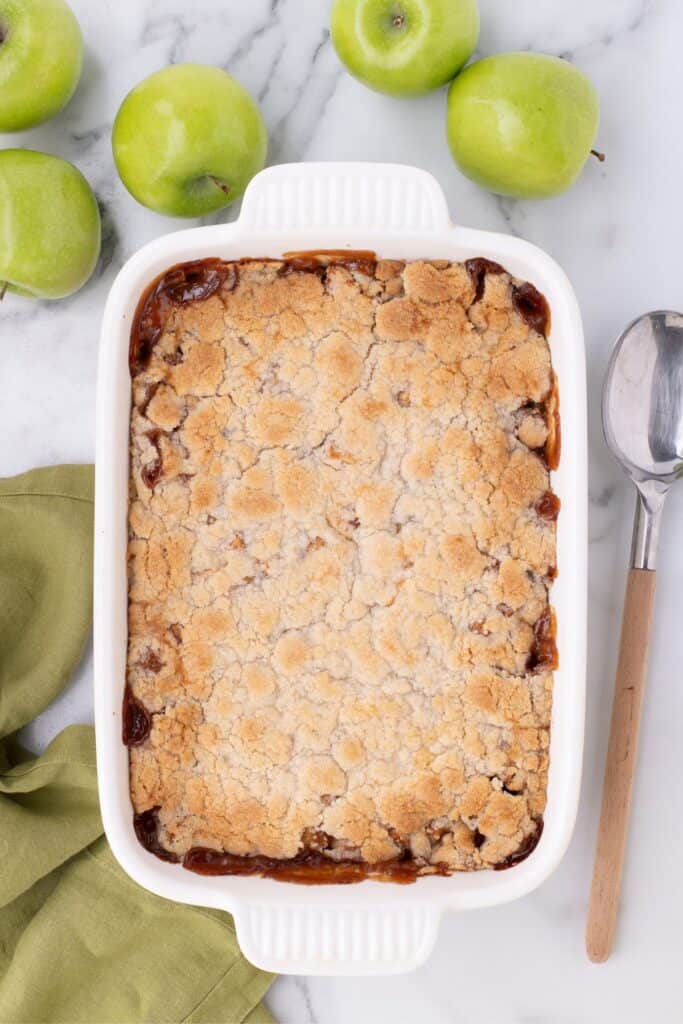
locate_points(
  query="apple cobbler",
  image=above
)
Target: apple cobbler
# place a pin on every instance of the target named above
(341, 541)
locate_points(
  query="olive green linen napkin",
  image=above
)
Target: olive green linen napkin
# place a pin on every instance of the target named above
(79, 941)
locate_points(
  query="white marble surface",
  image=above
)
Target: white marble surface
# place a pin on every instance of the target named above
(617, 233)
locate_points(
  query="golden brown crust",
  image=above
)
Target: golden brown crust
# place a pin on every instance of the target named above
(336, 567)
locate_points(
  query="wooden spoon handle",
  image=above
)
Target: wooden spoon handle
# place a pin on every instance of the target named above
(621, 759)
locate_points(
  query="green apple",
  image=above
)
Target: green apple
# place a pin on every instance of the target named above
(404, 47)
(188, 139)
(41, 57)
(49, 225)
(522, 124)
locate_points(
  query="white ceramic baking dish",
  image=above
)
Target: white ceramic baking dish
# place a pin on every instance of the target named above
(371, 927)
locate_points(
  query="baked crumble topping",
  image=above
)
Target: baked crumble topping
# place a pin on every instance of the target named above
(341, 538)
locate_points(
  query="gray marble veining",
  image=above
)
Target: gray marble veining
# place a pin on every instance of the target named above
(617, 235)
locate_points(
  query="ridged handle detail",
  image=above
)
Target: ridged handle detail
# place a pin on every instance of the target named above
(317, 940)
(344, 197)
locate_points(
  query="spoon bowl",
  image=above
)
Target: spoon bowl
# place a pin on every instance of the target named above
(642, 409)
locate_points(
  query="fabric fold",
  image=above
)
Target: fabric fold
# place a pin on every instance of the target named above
(79, 940)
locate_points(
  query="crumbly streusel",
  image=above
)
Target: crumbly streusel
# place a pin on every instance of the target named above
(339, 560)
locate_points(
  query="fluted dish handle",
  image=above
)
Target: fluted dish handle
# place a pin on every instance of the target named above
(298, 939)
(345, 197)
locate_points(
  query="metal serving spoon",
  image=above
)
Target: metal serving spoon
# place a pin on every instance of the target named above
(642, 415)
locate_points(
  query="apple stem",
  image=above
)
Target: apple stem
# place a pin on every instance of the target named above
(598, 155)
(222, 185)
(3, 290)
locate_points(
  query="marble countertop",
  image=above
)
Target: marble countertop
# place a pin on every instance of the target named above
(616, 233)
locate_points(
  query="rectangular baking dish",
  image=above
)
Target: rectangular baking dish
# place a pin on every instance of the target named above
(371, 927)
